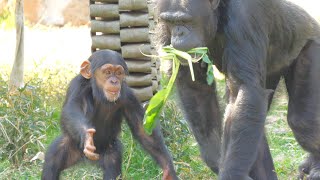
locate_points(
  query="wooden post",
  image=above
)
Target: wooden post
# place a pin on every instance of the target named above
(16, 76)
(106, 27)
(106, 42)
(124, 26)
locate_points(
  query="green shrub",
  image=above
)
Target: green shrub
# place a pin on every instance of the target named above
(29, 121)
(28, 114)
(7, 20)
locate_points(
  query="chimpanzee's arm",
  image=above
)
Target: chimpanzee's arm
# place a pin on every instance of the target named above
(245, 59)
(74, 122)
(243, 132)
(153, 144)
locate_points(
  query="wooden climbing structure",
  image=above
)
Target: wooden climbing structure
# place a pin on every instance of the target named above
(126, 26)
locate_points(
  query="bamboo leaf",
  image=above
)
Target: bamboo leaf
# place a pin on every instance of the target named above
(158, 101)
(210, 76)
(206, 59)
(153, 111)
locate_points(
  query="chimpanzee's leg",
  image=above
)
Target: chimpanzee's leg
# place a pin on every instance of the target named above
(111, 161)
(62, 154)
(263, 168)
(304, 105)
(201, 108)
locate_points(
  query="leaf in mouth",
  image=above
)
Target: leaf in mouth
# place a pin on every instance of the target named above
(158, 101)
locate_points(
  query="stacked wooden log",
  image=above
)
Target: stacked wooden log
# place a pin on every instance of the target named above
(123, 26)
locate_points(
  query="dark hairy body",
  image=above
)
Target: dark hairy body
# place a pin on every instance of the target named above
(254, 43)
(96, 102)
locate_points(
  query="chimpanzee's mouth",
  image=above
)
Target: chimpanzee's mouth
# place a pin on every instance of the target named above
(112, 95)
(113, 92)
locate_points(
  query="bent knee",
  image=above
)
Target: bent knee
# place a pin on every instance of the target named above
(306, 122)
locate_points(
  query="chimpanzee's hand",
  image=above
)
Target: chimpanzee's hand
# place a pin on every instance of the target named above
(89, 147)
(169, 174)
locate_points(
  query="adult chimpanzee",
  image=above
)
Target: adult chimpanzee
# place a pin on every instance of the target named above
(254, 42)
(95, 104)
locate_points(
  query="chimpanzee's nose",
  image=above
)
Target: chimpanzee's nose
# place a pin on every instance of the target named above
(114, 81)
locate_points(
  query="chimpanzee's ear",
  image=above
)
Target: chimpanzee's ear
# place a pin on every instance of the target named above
(85, 69)
(214, 3)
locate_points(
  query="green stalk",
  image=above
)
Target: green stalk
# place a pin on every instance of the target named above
(158, 101)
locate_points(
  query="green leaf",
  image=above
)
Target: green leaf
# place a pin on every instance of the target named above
(206, 59)
(153, 111)
(200, 50)
(158, 101)
(210, 76)
(184, 55)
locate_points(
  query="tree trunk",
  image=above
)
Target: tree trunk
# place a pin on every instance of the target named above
(16, 77)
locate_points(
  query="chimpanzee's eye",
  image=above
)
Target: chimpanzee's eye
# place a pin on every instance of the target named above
(119, 73)
(108, 72)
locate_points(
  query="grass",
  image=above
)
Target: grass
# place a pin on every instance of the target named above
(286, 152)
(7, 20)
(29, 121)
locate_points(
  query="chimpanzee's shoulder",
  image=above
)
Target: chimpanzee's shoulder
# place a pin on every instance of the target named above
(127, 95)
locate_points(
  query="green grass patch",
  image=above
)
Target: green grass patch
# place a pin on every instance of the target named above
(7, 20)
(29, 121)
(286, 152)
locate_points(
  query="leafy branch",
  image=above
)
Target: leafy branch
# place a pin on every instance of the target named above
(158, 101)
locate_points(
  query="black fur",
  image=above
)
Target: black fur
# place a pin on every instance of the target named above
(87, 107)
(254, 42)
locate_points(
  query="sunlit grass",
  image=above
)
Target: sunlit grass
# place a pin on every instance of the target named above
(39, 105)
(48, 85)
(286, 152)
(7, 20)
(41, 100)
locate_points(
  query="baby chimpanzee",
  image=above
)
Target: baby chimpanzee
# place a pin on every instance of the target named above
(96, 102)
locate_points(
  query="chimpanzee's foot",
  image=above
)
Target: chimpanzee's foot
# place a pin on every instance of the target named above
(310, 168)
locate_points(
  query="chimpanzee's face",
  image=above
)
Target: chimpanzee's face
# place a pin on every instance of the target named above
(186, 24)
(109, 79)
(106, 71)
